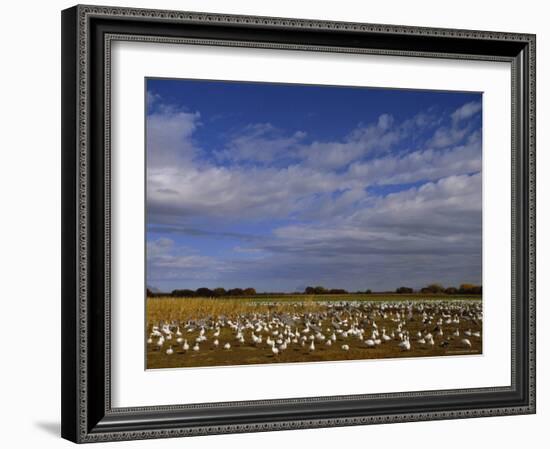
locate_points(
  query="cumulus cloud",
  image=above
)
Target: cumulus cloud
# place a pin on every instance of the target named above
(466, 111)
(459, 129)
(312, 198)
(419, 165)
(152, 98)
(168, 261)
(262, 143)
(429, 230)
(169, 137)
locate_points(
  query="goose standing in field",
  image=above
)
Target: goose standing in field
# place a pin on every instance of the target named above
(149, 341)
(185, 346)
(328, 343)
(369, 342)
(169, 351)
(345, 347)
(430, 340)
(405, 345)
(216, 343)
(256, 340)
(227, 346)
(160, 342)
(196, 348)
(275, 351)
(312, 346)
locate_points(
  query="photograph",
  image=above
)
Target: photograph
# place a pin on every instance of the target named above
(310, 223)
(272, 221)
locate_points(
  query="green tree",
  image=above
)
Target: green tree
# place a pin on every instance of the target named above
(185, 293)
(235, 292)
(337, 291)
(205, 292)
(470, 289)
(434, 288)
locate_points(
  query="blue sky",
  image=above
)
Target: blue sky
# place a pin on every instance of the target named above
(278, 186)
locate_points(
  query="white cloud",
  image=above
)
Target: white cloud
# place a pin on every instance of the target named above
(431, 233)
(446, 136)
(166, 261)
(152, 98)
(419, 165)
(375, 138)
(261, 143)
(340, 234)
(180, 185)
(169, 137)
(466, 111)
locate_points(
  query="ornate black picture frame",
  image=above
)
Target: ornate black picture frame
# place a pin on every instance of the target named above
(87, 34)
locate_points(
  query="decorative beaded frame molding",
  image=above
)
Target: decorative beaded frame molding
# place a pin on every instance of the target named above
(87, 415)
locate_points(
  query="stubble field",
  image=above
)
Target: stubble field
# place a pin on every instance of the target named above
(200, 332)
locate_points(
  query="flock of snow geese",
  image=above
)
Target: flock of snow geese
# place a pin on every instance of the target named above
(338, 326)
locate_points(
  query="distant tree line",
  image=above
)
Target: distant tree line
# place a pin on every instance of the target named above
(464, 289)
(217, 292)
(319, 290)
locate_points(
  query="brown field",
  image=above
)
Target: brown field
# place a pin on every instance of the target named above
(351, 318)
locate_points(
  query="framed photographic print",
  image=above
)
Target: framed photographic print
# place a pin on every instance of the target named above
(284, 223)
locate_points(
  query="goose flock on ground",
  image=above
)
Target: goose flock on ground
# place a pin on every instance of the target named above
(401, 325)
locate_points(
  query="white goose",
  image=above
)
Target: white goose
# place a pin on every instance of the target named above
(369, 342)
(185, 346)
(405, 345)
